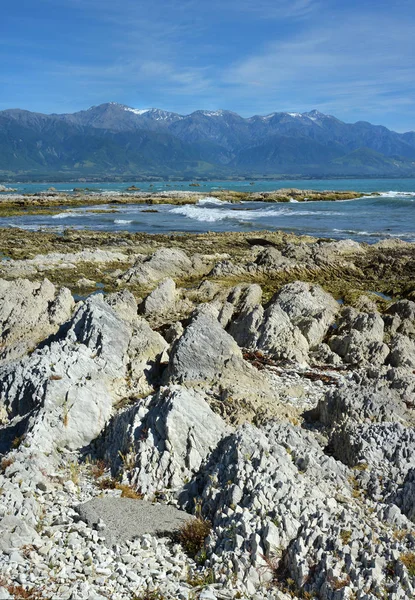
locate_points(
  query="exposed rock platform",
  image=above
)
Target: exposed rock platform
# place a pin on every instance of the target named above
(258, 386)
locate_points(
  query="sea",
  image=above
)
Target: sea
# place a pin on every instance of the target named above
(391, 215)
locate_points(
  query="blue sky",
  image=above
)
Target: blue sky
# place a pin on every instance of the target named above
(354, 59)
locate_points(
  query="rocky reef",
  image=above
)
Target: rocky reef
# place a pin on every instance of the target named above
(50, 201)
(206, 417)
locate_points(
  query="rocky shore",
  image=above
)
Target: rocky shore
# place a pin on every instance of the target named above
(48, 201)
(232, 418)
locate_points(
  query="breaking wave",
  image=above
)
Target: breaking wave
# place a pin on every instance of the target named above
(212, 215)
(394, 194)
(67, 215)
(210, 200)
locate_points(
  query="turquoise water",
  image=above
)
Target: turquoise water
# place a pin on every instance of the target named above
(358, 185)
(369, 219)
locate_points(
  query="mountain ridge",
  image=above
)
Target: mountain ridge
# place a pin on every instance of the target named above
(117, 140)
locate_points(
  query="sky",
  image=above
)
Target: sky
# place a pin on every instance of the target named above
(354, 59)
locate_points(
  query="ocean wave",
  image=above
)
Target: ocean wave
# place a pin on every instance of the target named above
(395, 194)
(375, 234)
(212, 215)
(66, 215)
(210, 200)
(122, 221)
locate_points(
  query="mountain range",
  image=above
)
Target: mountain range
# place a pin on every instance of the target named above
(113, 141)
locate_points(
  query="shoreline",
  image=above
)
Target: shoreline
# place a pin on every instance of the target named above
(75, 257)
(51, 201)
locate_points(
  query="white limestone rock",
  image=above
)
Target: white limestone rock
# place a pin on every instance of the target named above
(162, 299)
(29, 313)
(165, 439)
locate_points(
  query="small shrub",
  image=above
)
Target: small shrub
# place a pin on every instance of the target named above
(192, 535)
(408, 560)
(361, 467)
(27, 549)
(390, 569)
(201, 579)
(17, 441)
(128, 492)
(339, 584)
(98, 469)
(345, 536)
(149, 595)
(356, 491)
(6, 462)
(74, 472)
(400, 534)
(20, 593)
(272, 566)
(108, 483)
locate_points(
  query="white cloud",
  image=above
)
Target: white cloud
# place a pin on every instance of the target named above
(354, 65)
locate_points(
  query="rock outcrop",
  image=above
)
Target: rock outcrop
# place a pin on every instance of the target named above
(163, 441)
(280, 432)
(29, 313)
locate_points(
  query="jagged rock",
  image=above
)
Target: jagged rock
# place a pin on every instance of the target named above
(146, 351)
(365, 401)
(165, 262)
(207, 290)
(124, 304)
(208, 358)
(29, 313)
(309, 307)
(58, 260)
(323, 354)
(205, 352)
(173, 332)
(368, 426)
(15, 533)
(384, 451)
(244, 329)
(270, 259)
(296, 319)
(273, 490)
(162, 299)
(126, 518)
(165, 439)
(226, 268)
(239, 303)
(365, 304)
(245, 297)
(402, 352)
(404, 309)
(360, 338)
(62, 395)
(406, 497)
(85, 283)
(279, 337)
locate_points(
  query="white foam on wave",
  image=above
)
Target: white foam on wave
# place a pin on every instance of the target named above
(395, 194)
(122, 221)
(210, 200)
(66, 215)
(376, 234)
(211, 215)
(55, 228)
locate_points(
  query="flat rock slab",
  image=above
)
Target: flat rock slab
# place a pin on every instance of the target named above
(126, 519)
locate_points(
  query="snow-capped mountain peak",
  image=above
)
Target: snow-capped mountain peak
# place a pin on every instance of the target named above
(137, 111)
